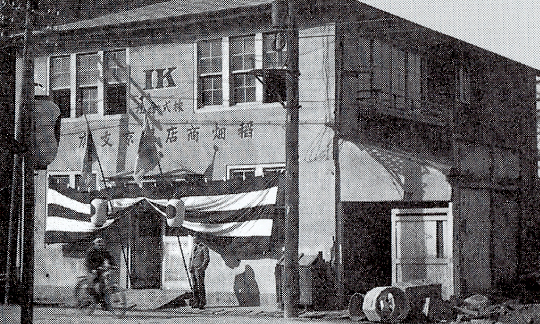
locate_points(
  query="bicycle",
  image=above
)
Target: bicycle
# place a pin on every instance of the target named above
(114, 297)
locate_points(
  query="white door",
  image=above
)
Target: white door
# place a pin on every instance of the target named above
(422, 246)
(174, 269)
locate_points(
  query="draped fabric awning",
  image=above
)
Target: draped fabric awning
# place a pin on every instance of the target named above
(230, 215)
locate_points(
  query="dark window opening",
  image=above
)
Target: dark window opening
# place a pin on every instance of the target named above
(275, 87)
(87, 101)
(211, 90)
(58, 181)
(274, 171)
(440, 239)
(62, 98)
(116, 99)
(240, 174)
(85, 184)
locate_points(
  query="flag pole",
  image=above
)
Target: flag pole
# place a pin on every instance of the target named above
(128, 272)
(184, 260)
(99, 162)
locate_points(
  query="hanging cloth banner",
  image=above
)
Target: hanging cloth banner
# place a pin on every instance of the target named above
(227, 214)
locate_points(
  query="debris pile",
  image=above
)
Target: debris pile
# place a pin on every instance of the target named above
(425, 305)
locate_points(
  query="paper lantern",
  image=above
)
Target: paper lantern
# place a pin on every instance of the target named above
(175, 212)
(47, 132)
(99, 212)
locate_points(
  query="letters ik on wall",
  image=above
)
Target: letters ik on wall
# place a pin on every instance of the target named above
(160, 76)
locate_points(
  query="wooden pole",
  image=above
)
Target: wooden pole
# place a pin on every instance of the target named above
(184, 260)
(291, 288)
(338, 248)
(28, 135)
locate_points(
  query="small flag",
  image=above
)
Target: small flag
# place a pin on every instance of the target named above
(147, 155)
(209, 172)
(90, 155)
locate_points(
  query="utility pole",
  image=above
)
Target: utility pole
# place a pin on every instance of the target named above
(23, 180)
(291, 287)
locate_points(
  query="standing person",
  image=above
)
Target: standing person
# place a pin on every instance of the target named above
(98, 258)
(197, 267)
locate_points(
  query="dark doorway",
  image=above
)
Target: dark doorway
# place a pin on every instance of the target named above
(146, 250)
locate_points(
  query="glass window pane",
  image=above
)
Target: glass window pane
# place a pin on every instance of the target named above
(60, 72)
(209, 56)
(275, 51)
(116, 66)
(204, 49)
(236, 46)
(250, 94)
(83, 184)
(211, 90)
(88, 99)
(58, 181)
(216, 47)
(249, 62)
(236, 63)
(242, 53)
(205, 65)
(208, 83)
(239, 95)
(218, 97)
(116, 99)
(250, 80)
(249, 174)
(249, 44)
(216, 82)
(216, 65)
(62, 98)
(88, 69)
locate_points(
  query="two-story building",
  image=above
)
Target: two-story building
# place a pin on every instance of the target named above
(420, 149)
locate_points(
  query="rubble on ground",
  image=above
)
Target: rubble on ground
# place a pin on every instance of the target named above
(425, 305)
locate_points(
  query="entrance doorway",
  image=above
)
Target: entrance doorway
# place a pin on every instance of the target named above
(422, 246)
(146, 250)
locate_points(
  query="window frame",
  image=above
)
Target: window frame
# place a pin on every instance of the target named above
(258, 169)
(60, 93)
(463, 85)
(101, 85)
(73, 177)
(244, 72)
(216, 76)
(227, 81)
(118, 84)
(271, 68)
(87, 91)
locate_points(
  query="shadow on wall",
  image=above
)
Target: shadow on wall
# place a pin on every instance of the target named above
(246, 288)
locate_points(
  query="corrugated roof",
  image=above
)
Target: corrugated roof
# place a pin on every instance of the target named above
(169, 9)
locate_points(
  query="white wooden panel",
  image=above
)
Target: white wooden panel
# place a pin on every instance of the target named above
(422, 246)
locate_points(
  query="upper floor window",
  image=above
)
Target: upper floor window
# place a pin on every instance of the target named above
(116, 78)
(414, 80)
(87, 83)
(61, 83)
(228, 69)
(210, 68)
(99, 85)
(391, 74)
(242, 56)
(463, 85)
(274, 63)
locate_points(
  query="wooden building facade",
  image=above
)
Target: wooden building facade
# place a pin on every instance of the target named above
(424, 146)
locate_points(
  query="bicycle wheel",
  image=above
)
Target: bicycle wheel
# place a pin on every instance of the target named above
(116, 299)
(85, 301)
